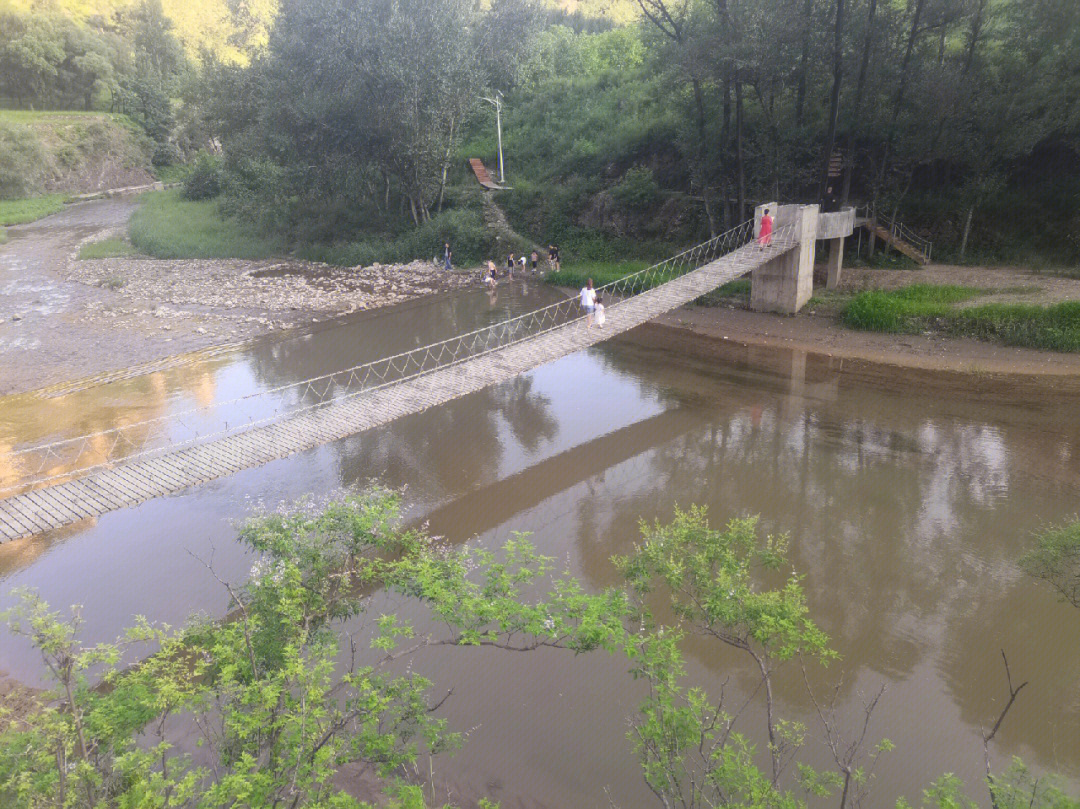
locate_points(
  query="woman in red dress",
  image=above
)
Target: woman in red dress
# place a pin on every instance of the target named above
(765, 234)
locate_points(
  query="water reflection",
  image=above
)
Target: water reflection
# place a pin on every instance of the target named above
(907, 496)
(29, 420)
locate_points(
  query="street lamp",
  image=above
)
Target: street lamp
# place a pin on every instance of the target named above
(497, 104)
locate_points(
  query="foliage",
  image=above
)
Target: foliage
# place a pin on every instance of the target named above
(713, 580)
(167, 154)
(637, 190)
(203, 181)
(20, 211)
(264, 692)
(165, 225)
(461, 227)
(1056, 560)
(69, 151)
(21, 162)
(278, 703)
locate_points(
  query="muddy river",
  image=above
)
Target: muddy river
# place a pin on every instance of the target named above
(908, 499)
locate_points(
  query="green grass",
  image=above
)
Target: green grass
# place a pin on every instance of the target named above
(904, 310)
(882, 260)
(601, 272)
(921, 307)
(168, 226)
(605, 272)
(106, 248)
(20, 211)
(33, 116)
(172, 174)
(3, 236)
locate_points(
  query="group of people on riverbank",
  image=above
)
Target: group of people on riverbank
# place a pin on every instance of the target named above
(491, 274)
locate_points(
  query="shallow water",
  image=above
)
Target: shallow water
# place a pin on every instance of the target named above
(908, 498)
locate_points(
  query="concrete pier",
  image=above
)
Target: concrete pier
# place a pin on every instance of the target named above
(786, 283)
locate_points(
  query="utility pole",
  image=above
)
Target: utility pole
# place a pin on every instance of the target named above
(496, 102)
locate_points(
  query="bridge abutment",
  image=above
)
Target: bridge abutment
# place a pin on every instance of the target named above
(786, 283)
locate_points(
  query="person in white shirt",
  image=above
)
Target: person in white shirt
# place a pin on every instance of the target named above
(588, 302)
(600, 318)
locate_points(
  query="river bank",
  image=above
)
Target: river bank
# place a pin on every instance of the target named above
(70, 322)
(64, 319)
(822, 333)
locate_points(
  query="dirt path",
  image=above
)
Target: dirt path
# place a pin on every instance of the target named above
(62, 318)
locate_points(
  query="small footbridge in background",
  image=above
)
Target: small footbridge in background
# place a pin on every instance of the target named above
(49, 486)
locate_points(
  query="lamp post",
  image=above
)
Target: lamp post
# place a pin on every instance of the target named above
(496, 102)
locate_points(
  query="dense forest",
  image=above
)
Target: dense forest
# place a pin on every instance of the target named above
(628, 127)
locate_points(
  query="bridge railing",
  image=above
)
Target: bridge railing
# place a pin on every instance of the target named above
(901, 231)
(28, 467)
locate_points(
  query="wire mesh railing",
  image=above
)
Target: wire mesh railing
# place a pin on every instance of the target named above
(900, 231)
(27, 467)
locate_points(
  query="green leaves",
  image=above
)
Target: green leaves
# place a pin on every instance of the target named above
(715, 580)
(1056, 560)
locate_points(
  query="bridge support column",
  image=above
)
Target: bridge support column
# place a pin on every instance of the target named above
(786, 283)
(836, 262)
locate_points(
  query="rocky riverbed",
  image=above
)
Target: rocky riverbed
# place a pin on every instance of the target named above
(63, 319)
(272, 294)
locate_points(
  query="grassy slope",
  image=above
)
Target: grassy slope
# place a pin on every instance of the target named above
(168, 226)
(921, 307)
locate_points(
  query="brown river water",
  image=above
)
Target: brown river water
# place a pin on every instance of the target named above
(908, 498)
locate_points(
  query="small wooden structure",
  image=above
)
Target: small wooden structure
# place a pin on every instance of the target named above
(483, 177)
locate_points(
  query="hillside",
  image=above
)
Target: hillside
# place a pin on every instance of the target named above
(70, 152)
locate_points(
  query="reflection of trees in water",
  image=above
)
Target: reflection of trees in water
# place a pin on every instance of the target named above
(384, 333)
(455, 447)
(1041, 637)
(899, 511)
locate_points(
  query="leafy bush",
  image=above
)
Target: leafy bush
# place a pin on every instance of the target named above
(638, 190)
(167, 154)
(204, 181)
(22, 161)
(462, 227)
(1056, 560)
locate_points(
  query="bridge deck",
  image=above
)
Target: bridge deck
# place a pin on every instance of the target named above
(85, 498)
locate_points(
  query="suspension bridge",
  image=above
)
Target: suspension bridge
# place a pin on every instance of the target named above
(63, 482)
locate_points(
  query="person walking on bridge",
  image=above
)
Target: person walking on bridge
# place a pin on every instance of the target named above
(765, 233)
(588, 302)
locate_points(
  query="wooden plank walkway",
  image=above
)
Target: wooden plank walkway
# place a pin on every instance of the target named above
(65, 503)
